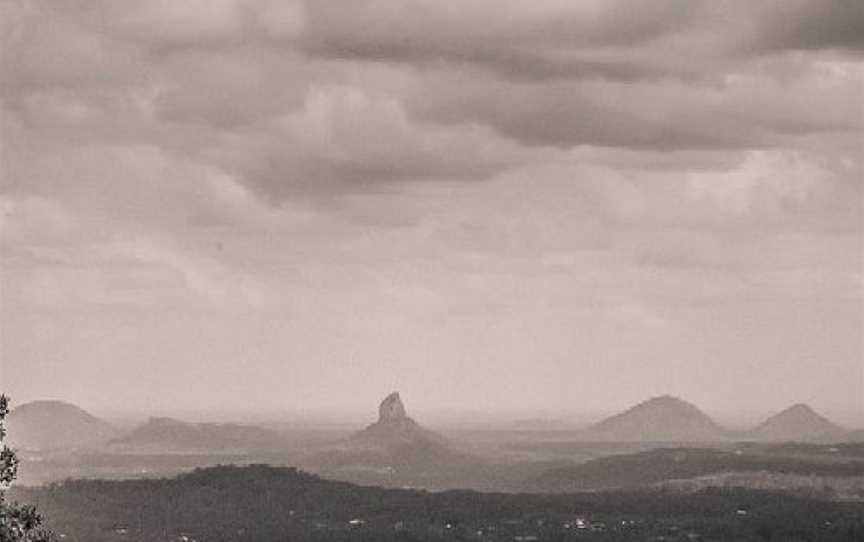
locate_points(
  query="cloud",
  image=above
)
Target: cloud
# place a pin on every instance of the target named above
(748, 107)
(198, 24)
(345, 138)
(646, 76)
(228, 92)
(611, 40)
(45, 47)
(600, 117)
(509, 39)
(602, 187)
(809, 25)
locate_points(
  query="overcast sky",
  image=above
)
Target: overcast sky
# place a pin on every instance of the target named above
(492, 205)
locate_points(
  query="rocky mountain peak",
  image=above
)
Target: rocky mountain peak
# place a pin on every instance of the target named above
(391, 409)
(396, 433)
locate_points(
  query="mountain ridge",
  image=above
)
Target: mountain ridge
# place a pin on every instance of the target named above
(161, 433)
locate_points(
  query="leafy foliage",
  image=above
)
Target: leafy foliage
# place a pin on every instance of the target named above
(262, 503)
(18, 523)
(643, 469)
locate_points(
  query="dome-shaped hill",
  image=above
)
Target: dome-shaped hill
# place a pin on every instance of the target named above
(52, 425)
(660, 419)
(797, 423)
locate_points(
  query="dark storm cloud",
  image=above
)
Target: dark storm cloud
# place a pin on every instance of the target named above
(618, 41)
(810, 25)
(563, 118)
(282, 173)
(504, 38)
(751, 111)
(589, 74)
(505, 61)
(255, 87)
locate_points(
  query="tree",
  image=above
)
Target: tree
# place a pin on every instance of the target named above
(18, 523)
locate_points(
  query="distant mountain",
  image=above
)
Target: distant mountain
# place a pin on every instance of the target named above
(661, 419)
(395, 429)
(797, 423)
(56, 425)
(167, 435)
(395, 444)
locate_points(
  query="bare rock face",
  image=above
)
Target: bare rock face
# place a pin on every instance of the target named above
(394, 442)
(391, 409)
(395, 428)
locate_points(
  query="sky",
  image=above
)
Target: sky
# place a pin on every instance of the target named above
(492, 205)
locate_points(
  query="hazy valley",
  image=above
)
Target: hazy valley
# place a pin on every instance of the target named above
(624, 450)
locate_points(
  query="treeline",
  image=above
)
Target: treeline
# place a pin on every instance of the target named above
(654, 466)
(261, 503)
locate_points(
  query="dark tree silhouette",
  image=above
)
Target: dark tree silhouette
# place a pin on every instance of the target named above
(18, 523)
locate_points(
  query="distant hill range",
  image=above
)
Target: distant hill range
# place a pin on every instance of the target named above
(394, 439)
(798, 423)
(660, 419)
(167, 435)
(647, 468)
(56, 425)
(670, 419)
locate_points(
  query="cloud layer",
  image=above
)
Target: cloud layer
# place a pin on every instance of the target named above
(400, 192)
